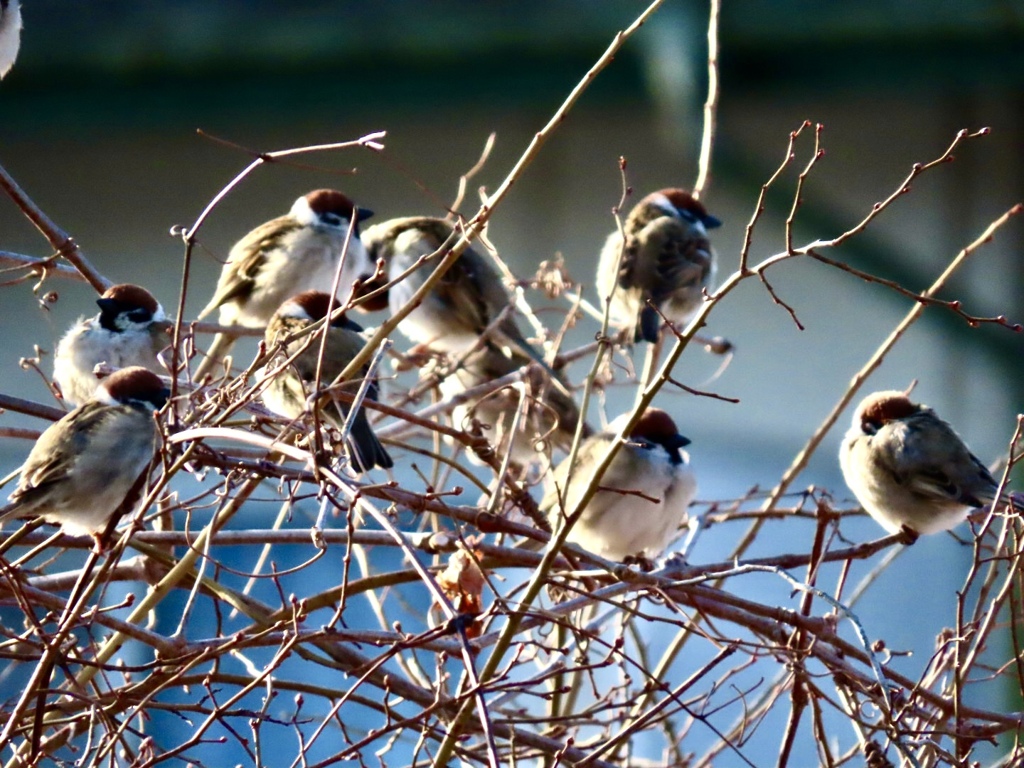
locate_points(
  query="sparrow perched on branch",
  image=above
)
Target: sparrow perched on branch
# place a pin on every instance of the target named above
(464, 305)
(10, 34)
(550, 417)
(130, 329)
(666, 261)
(644, 494)
(297, 252)
(84, 468)
(469, 309)
(909, 469)
(290, 388)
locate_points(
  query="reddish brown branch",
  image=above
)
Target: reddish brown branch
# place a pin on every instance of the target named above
(59, 240)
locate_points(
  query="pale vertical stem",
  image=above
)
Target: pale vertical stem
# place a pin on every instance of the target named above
(707, 139)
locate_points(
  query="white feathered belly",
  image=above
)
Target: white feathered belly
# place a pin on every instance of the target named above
(633, 525)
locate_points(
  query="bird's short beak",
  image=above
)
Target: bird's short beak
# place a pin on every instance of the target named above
(107, 305)
(363, 213)
(711, 222)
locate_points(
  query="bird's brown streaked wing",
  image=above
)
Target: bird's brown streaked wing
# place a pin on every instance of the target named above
(936, 464)
(52, 457)
(246, 260)
(491, 299)
(464, 293)
(342, 346)
(680, 260)
(381, 240)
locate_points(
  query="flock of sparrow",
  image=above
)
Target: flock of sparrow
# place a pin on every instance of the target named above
(906, 466)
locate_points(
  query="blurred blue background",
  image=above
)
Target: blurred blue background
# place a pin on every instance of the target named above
(99, 120)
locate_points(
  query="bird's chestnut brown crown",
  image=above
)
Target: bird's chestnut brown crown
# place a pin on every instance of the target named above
(880, 408)
(686, 203)
(328, 202)
(131, 296)
(135, 385)
(133, 302)
(314, 306)
(657, 427)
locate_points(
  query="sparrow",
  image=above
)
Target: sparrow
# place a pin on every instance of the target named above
(550, 419)
(289, 389)
(645, 492)
(287, 255)
(297, 252)
(909, 469)
(10, 34)
(667, 261)
(84, 467)
(130, 329)
(463, 305)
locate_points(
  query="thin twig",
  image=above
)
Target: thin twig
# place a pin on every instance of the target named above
(58, 239)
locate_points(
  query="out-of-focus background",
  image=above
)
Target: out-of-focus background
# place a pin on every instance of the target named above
(99, 119)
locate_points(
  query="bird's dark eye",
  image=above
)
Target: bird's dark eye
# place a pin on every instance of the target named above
(870, 426)
(686, 215)
(139, 315)
(331, 219)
